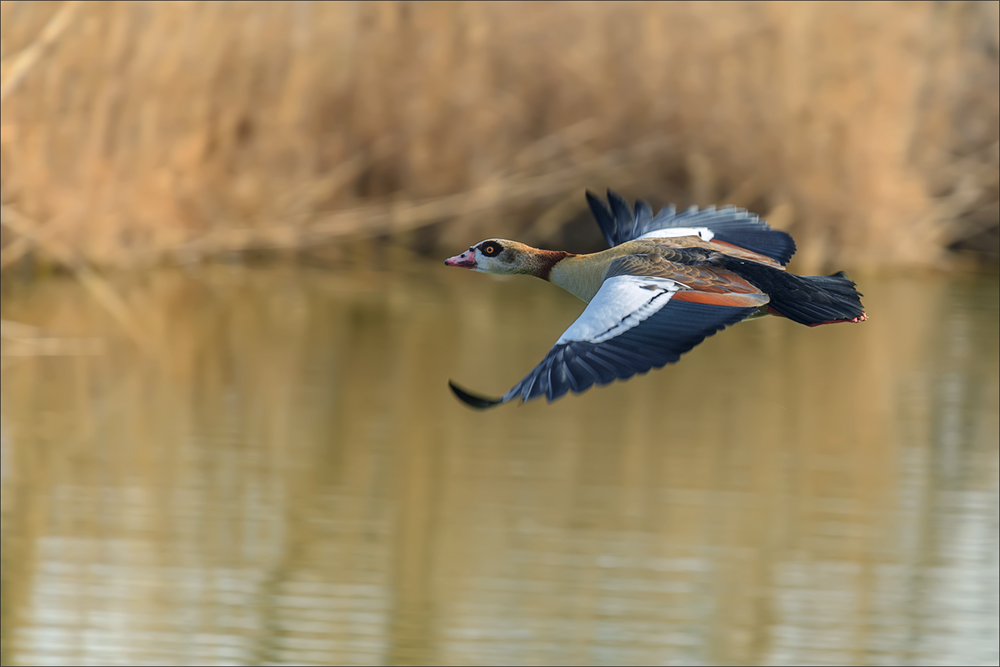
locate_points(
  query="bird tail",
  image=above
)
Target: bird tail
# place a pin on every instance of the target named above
(809, 300)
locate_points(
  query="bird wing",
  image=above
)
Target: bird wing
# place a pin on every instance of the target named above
(647, 313)
(734, 226)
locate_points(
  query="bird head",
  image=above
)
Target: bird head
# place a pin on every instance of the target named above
(497, 256)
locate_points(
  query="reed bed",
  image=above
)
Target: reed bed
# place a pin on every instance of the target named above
(136, 134)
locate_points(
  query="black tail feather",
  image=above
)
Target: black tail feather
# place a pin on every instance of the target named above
(809, 300)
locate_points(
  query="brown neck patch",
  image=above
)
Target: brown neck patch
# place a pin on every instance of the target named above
(544, 260)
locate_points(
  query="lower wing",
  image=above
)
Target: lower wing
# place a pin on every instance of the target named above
(633, 323)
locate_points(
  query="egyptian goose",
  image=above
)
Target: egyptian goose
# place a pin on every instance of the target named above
(667, 282)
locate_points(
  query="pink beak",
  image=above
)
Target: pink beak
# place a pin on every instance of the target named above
(466, 259)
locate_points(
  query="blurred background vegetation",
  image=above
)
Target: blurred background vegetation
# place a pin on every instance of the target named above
(141, 134)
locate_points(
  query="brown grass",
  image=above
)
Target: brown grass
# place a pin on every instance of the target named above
(148, 132)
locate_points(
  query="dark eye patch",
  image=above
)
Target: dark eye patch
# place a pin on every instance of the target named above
(490, 248)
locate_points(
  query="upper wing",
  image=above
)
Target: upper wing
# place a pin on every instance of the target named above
(634, 323)
(731, 225)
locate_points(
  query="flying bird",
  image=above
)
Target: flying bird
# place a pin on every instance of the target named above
(666, 283)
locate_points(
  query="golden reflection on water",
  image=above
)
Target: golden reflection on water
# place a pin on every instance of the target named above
(286, 479)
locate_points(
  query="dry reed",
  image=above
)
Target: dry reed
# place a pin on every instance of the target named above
(137, 133)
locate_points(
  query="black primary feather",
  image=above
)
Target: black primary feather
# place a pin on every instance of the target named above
(478, 402)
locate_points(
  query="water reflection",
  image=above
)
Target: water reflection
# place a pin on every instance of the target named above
(286, 479)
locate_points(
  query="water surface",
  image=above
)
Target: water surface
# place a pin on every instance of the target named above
(278, 474)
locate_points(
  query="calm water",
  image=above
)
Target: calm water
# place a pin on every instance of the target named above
(278, 474)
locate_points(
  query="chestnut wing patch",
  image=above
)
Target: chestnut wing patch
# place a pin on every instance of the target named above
(703, 284)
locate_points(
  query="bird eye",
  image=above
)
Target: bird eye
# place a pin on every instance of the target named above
(491, 249)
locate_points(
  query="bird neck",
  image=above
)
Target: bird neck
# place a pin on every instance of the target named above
(580, 275)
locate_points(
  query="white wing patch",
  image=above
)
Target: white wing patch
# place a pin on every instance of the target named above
(704, 233)
(620, 304)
